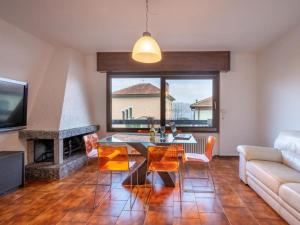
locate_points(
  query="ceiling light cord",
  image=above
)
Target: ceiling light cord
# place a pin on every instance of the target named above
(147, 9)
(146, 49)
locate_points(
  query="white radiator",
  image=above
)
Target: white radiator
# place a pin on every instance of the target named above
(198, 148)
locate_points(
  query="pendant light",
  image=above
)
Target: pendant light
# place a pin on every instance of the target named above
(146, 49)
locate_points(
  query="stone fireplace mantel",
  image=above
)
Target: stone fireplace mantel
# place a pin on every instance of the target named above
(60, 134)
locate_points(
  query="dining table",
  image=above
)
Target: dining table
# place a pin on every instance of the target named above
(140, 142)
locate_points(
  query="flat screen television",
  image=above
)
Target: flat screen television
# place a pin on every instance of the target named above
(13, 104)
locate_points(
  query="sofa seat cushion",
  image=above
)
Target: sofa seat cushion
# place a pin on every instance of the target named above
(272, 174)
(290, 193)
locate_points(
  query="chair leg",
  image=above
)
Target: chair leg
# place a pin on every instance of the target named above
(137, 172)
(180, 190)
(148, 196)
(152, 180)
(195, 177)
(151, 188)
(137, 184)
(183, 171)
(131, 189)
(208, 180)
(110, 184)
(94, 206)
(212, 178)
(144, 191)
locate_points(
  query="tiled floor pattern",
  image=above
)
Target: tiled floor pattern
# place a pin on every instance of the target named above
(70, 201)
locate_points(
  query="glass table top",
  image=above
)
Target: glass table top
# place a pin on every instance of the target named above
(145, 138)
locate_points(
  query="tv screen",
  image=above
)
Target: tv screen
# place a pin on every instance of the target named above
(13, 104)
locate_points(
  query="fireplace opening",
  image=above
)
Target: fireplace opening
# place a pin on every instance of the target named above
(43, 150)
(73, 145)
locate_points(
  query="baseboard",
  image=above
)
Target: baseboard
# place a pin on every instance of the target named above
(226, 156)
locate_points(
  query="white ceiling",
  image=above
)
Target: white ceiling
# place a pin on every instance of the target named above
(114, 25)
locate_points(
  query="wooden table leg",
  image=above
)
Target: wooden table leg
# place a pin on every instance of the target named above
(168, 178)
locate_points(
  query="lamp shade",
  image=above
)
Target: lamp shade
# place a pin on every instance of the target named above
(146, 50)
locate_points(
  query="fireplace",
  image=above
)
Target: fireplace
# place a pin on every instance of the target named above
(73, 145)
(44, 148)
(55, 154)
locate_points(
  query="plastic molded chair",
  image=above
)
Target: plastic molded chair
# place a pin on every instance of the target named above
(163, 159)
(91, 145)
(203, 159)
(114, 159)
(180, 149)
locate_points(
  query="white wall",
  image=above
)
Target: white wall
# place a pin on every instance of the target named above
(238, 104)
(97, 92)
(47, 109)
(58, 92)
(25, 58)
(76, 103)
(279, 87)
(63, 100)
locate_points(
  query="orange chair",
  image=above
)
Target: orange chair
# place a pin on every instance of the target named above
(163, 159)
(201, 158)
(91, 144)
(180, 149)
(111, 159)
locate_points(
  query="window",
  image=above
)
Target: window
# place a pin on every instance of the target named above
(138, 100)
(134, 102)
(189, 102)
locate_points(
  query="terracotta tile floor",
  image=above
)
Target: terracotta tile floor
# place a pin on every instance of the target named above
(70, 201)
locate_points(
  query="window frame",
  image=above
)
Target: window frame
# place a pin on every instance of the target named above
(163, 76)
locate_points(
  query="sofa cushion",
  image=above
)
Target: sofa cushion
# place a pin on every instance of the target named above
(272, 174)
(289, 143)
(290, 193)
(291, 159)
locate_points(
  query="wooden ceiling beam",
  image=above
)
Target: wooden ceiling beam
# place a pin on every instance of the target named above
(171, 62)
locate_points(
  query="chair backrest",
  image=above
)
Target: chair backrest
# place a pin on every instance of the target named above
(179, 148)
(111, 157)
(209, 147)
(289, 144)
(90, 142)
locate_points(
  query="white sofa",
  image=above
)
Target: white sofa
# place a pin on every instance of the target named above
(274, 173)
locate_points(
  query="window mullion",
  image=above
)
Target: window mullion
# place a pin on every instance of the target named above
(215, 102)
(162, 101)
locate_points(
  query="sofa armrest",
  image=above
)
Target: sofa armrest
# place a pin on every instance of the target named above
(248, 153)
(259, 153)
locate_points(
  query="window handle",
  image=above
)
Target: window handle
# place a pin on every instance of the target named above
(215, 104)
